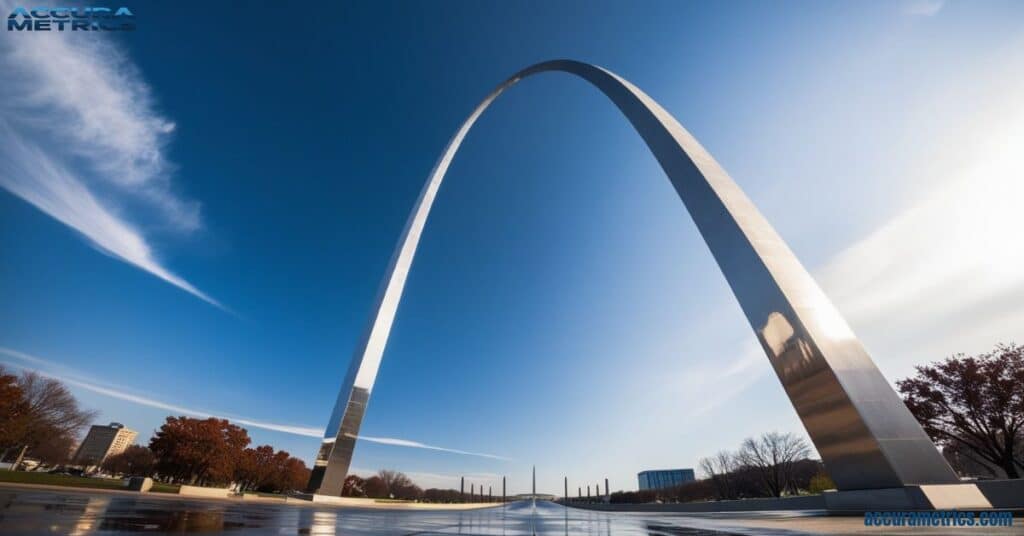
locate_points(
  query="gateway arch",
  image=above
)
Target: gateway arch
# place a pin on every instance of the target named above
(866, 436)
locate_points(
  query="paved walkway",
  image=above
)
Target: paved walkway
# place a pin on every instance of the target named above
(31, 510)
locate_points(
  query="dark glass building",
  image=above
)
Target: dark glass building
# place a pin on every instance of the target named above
(664, 478)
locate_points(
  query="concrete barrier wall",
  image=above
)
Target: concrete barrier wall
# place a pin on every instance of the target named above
(385, 504)
(264, 498)
(344, 501)
(1003, 493)
(198, 491)
(140, 484)
(805, 502)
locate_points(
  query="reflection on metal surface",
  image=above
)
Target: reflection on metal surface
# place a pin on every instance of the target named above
(318, 522)
(90, 517)
(336, 449)
(863, 431)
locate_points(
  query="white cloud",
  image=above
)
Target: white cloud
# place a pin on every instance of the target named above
(26, 171)
(922, 8)
(416, 444)
(66, 375)
(46, 368)
(80, 141)
(946, 274)
(710, 384)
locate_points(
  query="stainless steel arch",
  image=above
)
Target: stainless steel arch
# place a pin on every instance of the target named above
(863, 431)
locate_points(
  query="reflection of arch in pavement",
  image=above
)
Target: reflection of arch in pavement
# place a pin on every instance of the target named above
(863, 431)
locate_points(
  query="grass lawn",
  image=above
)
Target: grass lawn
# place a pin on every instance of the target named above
(27, 477)
(160, 487)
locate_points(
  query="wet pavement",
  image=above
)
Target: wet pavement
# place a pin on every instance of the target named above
(73, 512)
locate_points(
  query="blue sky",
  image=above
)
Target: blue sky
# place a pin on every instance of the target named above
(195, 216)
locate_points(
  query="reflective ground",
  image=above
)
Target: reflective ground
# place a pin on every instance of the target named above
(38, 511)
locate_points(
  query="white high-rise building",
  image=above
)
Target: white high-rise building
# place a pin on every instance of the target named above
(103, 441)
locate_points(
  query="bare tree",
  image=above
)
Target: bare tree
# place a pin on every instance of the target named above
(395, 482)
(719, 469)
(52, 405)
(773, 456)
(707, 467)
(53, 418)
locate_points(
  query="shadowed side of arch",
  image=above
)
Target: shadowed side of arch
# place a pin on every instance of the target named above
(866, 436)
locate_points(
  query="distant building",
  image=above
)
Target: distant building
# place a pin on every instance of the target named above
(664, 478)
(103, 441)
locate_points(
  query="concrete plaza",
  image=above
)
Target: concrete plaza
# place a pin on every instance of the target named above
(37, 510)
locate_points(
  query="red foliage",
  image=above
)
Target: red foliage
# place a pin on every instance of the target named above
(197, 451)
(14, 410)
(974, 404)
(265, 470)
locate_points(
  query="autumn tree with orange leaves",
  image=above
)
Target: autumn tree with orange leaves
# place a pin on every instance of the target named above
(262, 469)
(198, 451)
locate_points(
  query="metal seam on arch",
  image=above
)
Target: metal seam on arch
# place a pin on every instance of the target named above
(866, 436)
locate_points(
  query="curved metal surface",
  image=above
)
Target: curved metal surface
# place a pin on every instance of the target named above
(866, 436)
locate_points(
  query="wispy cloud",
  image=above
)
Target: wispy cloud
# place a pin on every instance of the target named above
(715, 385)
(416, 444)
(26, 171)
(66, 375)
(922, 8)
(80, 140)
(945, 275)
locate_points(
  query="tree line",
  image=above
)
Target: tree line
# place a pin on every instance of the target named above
(390, 484)
(972, 407)
(214, 452)
(772, 465)
(40, 419)
(210, 452)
